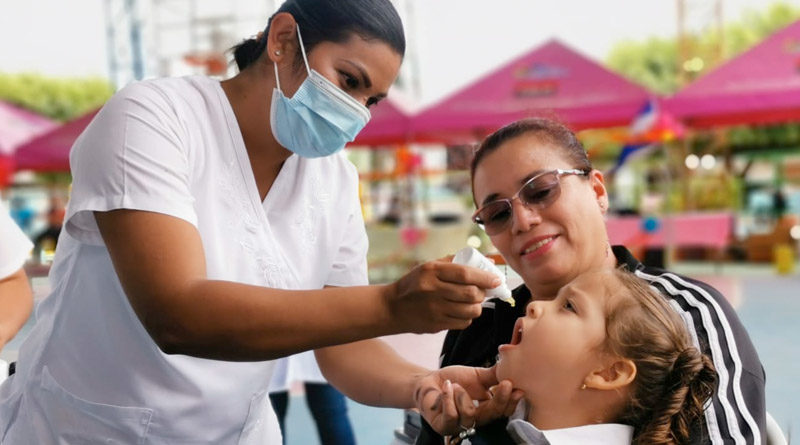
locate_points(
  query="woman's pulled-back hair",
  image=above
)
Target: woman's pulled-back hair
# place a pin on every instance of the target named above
(674, 380)
(548, 130)
(332, 21)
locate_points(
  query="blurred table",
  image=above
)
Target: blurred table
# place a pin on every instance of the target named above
(712, 229)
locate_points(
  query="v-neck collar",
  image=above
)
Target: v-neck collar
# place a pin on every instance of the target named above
(243, 161)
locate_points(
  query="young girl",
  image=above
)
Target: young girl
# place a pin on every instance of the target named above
(606, 362)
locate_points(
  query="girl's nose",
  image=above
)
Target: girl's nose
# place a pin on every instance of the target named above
(534, 309)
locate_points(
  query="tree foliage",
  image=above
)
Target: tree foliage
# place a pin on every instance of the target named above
(61, 99)
(654, 63)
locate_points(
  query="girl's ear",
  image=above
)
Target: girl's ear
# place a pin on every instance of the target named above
(616, 375)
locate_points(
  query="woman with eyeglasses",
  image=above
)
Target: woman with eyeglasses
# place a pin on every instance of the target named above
(214, 227)
(543, 205)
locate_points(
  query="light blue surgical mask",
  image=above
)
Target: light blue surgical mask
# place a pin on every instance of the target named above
(319, 119)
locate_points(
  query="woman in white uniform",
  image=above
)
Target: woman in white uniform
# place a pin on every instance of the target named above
(213, 228)
(16, 298)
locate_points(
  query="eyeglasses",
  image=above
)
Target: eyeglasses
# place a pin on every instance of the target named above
(540, 192)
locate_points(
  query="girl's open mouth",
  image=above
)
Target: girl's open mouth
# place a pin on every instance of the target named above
(516, 336)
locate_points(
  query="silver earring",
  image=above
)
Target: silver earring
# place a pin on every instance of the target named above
(583, 386)
(277, 52)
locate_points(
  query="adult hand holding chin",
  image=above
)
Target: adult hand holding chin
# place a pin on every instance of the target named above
(456, 399)
(445, 397)
(502, 403)
(438, 295)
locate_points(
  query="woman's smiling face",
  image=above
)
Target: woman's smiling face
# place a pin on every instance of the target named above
(548, 247)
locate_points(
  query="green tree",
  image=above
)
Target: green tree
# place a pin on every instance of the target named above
(61, 99)
(654, 62)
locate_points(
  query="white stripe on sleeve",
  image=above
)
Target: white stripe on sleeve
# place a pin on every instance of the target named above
(690, 294)
(712, 423)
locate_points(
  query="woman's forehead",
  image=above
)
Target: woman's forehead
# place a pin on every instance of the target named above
(516, 159)
(530, 150)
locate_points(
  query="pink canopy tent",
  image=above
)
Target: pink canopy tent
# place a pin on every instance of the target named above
(552, 80)
(18, 126)
(50, 151)
(762, 85)
(389, 125)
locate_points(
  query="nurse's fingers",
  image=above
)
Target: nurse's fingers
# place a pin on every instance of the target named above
(515, 398)
(449, 410)
(464, 405)
(503, 402)
(421, 301)
(437, 409)
(466, 275)
(458, 411)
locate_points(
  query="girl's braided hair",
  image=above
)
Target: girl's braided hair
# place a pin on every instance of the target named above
(674, 380)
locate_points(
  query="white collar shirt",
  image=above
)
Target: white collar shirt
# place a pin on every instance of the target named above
(523, 432)
(173, 146)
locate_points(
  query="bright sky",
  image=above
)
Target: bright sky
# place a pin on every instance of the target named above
(456, 40)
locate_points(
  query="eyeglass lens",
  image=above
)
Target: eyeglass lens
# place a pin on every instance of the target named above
(540, 192)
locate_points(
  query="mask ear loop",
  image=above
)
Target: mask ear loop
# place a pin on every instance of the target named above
(303, 50)
(277, 78)
(305, 60)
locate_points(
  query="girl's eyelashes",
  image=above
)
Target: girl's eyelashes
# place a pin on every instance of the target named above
(569, 306)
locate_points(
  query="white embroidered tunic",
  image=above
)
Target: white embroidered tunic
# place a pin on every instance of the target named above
(89, 369)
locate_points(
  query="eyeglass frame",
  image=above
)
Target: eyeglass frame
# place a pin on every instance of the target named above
(558, 172)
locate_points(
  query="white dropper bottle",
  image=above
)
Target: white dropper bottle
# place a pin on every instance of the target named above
(469, 256)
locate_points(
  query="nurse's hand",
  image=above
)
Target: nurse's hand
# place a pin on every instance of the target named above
(438, 295)
(447, 398)
(502, 403)
(448, 406)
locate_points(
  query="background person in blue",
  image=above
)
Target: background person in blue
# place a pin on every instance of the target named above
(212, 227)
(22, 213)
